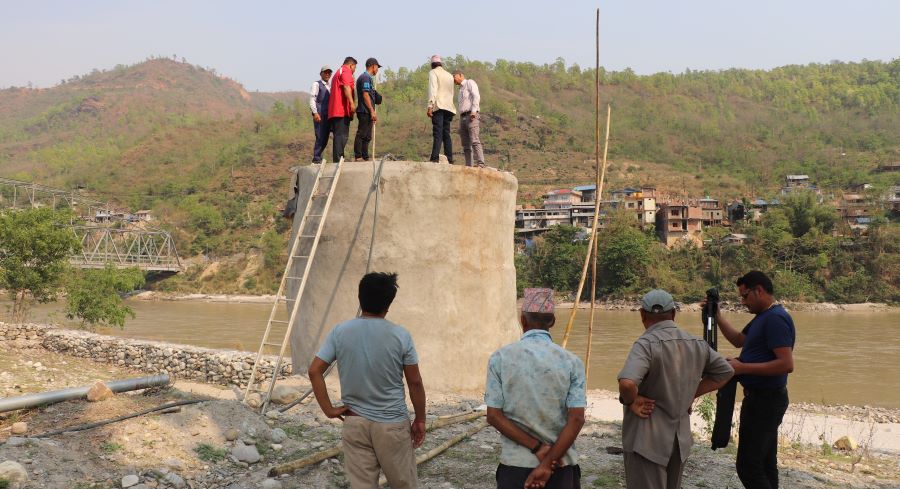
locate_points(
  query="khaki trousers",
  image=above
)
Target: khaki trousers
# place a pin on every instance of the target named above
(371, 447)
(641, 473)
(469, 134)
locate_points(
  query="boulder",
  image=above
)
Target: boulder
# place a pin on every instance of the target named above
(20, 428)
(278, 435)
(16, 441)
(285, 394)
(13, 472)
(254, 400)
(245, 453)
(130, 480)
(99, 392)
(846, 443)
(232, 434)
(271, 484)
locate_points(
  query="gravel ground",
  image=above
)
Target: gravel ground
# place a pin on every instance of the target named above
(190, 448)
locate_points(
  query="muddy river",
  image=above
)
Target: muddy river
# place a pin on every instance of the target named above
(840, 357)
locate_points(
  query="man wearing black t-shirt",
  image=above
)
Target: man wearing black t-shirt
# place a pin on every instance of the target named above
(766, 359)
(365, 111)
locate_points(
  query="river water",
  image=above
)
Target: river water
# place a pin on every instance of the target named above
(840, 357)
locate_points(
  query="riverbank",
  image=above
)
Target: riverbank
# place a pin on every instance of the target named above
(610, 305)
(632, 305)
(195, 446)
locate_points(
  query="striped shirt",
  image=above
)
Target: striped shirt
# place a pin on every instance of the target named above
(469, 97)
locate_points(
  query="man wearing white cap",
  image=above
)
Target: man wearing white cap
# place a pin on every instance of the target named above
(535, 396)
(664, 372)
(440, 109)
(318, 105)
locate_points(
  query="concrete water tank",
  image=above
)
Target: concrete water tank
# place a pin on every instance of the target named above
(448, 232)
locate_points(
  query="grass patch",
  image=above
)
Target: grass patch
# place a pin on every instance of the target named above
(4, 484)
(209, 453)
(110, 447)
(605, 479)
(295, 431)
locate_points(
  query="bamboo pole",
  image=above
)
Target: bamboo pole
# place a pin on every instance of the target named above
(587, 359)
(434, 452)
(593, 251)
(587, 258)
(295, 465)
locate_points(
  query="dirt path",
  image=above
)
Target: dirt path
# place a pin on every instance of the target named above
(190, 448)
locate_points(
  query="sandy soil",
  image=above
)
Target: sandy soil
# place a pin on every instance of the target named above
(189, 448)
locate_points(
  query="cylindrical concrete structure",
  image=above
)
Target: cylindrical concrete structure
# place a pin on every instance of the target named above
(448, 232)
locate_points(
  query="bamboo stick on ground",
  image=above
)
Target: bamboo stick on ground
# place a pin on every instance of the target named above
(295, 465)
(434, 452)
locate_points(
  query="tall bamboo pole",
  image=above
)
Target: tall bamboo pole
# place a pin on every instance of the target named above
(587, 258)
(600, 180)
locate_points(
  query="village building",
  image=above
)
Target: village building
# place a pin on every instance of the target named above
(678, 222)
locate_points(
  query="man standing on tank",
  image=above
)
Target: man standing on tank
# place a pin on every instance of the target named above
(440, 109)
(766, 359)
(318, 105)
(365, 111)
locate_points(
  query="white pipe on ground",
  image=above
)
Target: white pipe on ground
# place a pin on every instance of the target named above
(52, 397)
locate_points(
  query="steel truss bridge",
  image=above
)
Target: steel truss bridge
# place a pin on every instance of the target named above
(112, 241)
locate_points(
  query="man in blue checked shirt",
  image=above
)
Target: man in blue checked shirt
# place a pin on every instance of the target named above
(535, 398)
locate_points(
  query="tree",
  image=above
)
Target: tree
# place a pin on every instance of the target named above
(95, 296)
(34, 256)
(623, 255)
(556, 260)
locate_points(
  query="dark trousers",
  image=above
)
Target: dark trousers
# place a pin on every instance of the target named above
(509, 477)
(363, 136)
(757, 457)
(340, 127)
(323, 130)
(440, 133)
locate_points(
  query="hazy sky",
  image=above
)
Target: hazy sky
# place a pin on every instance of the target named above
(279, 45)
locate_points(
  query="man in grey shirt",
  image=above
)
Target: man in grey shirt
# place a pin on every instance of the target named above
(664, 372)
(374, 355)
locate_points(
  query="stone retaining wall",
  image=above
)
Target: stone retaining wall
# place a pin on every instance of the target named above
(224, 367)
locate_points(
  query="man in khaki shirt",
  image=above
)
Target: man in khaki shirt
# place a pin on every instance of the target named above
(440, 109)
(663, 374)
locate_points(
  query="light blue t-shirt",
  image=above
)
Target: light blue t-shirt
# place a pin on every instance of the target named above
(371, 353)
(535, 382)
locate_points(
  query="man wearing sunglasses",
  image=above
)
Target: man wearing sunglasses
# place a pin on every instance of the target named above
(766, 359)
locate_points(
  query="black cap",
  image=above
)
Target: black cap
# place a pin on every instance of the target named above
(372, 61)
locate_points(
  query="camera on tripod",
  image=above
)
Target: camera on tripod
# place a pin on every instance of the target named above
(708, 316)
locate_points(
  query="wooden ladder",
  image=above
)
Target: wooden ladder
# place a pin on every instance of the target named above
(303, 248)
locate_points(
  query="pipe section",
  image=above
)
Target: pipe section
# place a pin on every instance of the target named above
(52, 397)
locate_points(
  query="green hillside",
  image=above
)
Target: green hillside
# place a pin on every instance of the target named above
(212, 159)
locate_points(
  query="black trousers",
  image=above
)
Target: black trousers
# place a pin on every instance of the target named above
(509, 477)
(340, 128)
(757, 457)
(440, 133)
(363, 136)
(323, 130)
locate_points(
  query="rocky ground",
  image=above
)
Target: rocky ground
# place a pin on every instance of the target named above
(220, 443)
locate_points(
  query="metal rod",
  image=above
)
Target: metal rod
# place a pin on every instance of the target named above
(52, 397)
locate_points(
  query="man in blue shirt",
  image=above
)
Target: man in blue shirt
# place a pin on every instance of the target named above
(374, 355)
(535, 396)
(365, 111)
(766, 359)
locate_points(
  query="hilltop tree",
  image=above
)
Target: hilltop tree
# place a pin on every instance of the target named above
(34, 256)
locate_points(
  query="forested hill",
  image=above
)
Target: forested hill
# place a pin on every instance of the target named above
(211, 157)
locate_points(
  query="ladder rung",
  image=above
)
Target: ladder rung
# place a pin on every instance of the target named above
(300, 256)
(307, 235)
(315, 215)
(294, 278)
(269, 343)
(279, 321)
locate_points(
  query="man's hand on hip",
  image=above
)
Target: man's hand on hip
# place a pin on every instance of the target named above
(417, 432)
(337, 412)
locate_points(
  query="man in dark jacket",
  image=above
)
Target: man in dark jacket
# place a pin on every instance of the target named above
(318, 105)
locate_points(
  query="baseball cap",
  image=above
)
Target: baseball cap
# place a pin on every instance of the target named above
(657, 301)
(435, 59)
(372, 61)
(325, 68)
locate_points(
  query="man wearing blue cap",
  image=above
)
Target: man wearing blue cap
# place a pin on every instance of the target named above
(535, 398)
(665, 371)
